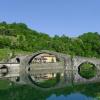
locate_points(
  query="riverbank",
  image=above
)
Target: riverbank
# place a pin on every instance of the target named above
(26, 92)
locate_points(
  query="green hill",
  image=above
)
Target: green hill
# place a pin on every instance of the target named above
(18, 37)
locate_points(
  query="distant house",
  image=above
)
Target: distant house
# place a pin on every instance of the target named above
(49, 58)
(44, 58)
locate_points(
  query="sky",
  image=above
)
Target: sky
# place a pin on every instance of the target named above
(54, 17)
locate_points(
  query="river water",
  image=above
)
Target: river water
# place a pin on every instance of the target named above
(72, 96)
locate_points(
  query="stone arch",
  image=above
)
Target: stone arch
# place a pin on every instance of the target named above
(4, 70)
(93, 68)
(60, 57)
(77, 61)
(18, 60)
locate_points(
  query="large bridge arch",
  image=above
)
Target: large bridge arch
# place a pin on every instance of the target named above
(62, 66)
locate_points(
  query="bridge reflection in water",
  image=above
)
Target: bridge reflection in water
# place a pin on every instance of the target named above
(47, 68)
(45, 65)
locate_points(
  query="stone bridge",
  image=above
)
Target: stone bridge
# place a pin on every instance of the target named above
(20, 69)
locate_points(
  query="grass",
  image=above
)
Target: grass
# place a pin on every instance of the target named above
(5, 53)
(4, 84)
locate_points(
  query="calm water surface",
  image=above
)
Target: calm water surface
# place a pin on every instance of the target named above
(72, 96)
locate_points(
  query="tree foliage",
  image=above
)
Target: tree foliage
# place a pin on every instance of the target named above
(87, 70)
(19, 36)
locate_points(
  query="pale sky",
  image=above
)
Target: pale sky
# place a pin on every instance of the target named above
(69, 17)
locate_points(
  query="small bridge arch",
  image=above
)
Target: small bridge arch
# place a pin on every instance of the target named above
(62, 61)
(77, 62)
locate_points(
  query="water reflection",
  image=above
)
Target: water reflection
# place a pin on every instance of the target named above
(72, 96)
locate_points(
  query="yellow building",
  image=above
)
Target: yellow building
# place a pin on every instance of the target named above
(49, 58)
(44, 58)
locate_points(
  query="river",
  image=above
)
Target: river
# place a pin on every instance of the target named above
(72, 96)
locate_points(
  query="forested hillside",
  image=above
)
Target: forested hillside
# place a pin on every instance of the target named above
(17, 36)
